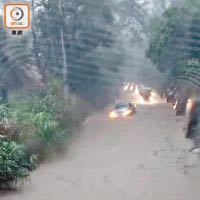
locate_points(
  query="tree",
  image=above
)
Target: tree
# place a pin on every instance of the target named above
(174, 47)
(69, 39)
(133, 20)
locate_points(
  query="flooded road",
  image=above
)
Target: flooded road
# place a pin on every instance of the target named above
(144, 157)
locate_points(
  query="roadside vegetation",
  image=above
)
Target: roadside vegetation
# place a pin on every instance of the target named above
(15, 163)
(175, 50)
(33, 128)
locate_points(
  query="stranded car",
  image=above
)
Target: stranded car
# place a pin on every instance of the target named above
(122, 110)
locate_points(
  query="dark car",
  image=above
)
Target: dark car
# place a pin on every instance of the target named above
(145, 94)
(122, 110)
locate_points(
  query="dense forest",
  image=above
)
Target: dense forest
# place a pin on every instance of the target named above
(174, 48)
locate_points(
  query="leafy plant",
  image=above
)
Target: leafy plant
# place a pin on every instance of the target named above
(15, 163)
(46, 120)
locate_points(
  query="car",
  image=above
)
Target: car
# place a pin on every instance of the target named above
(145, 93)
(122, 110)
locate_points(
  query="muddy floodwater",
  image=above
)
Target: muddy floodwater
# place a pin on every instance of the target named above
(144, 157)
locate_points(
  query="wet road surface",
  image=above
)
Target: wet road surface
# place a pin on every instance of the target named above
(144, 157)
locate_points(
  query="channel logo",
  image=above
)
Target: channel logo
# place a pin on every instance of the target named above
(17, 16)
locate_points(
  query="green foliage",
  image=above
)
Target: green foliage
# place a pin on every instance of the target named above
(175, 42)
(87, 26)
(15, 163)
(163, 31)
(46, 120)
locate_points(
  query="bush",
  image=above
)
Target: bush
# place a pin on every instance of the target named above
(46, 120)
(15, 163)
(42, 123)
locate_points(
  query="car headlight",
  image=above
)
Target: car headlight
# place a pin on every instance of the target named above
(127, 112)
(113, 114)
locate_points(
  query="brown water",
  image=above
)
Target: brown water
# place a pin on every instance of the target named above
(144, 157)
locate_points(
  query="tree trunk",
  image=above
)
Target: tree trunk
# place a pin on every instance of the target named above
(39, 63)
(65, 71)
